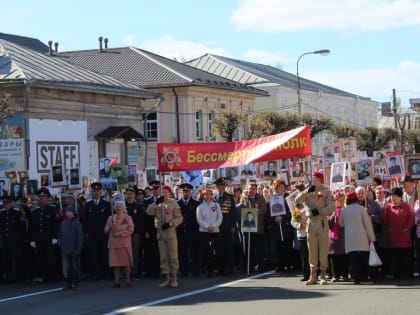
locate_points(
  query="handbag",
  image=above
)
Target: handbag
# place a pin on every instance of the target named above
(374, 260)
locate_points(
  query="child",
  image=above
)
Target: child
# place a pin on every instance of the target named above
(70, 239)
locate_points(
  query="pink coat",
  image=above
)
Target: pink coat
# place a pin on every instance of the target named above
(120, 231)
(398, 222)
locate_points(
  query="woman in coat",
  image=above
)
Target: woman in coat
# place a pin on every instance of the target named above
(399, 219)
(120, 227)
(358, 234)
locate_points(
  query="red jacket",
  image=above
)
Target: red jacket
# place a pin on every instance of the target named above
(398, 222)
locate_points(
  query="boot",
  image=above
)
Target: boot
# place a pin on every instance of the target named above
(313, 278)
(174, 282)
(323, 277)
(167, 282)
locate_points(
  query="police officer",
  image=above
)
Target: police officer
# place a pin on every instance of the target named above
(137, 212)
(187, 233)
(151, 249)
(227, 228)
(12, 228)
(43, 231)
(96, 215)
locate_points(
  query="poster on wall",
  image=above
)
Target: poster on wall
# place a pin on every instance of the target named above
(13, 127)
(12, 155)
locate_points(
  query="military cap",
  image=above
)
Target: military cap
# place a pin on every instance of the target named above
(44, 192)
(154, 183)
(186, 186)
(96, 185)
(220, 181)
(406, 179)
(131, 189)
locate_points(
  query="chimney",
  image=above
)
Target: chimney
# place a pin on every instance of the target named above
(106, 43)
(56, 47)
(100, 44)
(50, 49)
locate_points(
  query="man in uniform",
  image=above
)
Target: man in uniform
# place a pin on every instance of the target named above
(96, 215)
(227, 228)
(43, 233)
(187, 233)
(137, 212)
(12, 229)
(319, 204)
(394, 168)
(151, 249)
(257, 253)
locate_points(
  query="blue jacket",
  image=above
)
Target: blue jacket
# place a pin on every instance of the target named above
(70, 236)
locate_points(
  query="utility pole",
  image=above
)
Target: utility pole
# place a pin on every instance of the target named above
(394, 108)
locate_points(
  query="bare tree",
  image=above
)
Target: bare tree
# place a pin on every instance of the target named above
(372, 139)
(318, 124)
(227, 123)
(271, 123)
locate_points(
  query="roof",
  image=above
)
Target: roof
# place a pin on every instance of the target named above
(28, 42)
(19, 64)
(114, 132)
(255, 73)
(150, 70)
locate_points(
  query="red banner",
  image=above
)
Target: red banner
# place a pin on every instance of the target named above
(198, 156)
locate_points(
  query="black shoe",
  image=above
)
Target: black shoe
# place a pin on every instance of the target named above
(116, 286)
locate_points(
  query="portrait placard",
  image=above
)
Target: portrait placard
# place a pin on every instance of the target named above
(277, 206)
(249, 220)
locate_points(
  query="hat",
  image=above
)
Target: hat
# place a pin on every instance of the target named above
(220, 181)
(96, 185)
(44, 192)
(70, 208)
(154, 183)
(186, 186)
(397, 191)
(140, 191)
(406, 179)
(131, 189)
(351, 195)
(319, 175)
(166, 187)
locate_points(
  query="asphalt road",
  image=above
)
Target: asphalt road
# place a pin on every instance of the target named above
(263, 294)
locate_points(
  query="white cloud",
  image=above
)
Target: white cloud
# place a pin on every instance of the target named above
(351, 15)
(376, 83)
(182, 50)
(266, 57)
(130, 40)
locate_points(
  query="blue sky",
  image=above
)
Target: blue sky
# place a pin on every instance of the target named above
(374, 43)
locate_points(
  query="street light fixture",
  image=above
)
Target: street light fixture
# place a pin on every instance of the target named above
(322, 52)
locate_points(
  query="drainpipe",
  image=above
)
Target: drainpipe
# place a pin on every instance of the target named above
(177, 115)
(154, 107)
(27, 86)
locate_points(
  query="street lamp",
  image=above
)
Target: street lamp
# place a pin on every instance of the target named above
(323, 52)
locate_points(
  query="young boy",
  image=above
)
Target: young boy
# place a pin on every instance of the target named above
(70, 239)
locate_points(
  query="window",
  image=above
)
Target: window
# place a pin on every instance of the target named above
(150, 125)
(211, 121)
(199, 125)
(417, 123)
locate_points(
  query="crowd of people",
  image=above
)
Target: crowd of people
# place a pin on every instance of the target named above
(149, 233)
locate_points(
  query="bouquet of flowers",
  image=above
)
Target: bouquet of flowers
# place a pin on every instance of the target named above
(297, 214)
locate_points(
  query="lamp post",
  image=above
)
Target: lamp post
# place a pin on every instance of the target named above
(323, 52)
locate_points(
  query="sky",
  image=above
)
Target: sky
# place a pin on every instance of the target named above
(374, 44)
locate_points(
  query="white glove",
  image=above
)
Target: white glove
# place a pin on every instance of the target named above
(33, 245)
(54, 241)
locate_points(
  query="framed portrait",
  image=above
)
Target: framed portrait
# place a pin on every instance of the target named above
(394, 165)
(379, 165)
(348, 150)
(16, 191)
(270, 169)
(249, 220)
(4, 188)
(232, 173)
(284, 164)
(31, 187)
(297, 169)
(330, 153)
(132, 174)
(284, 175)
(337, 175)
(290, 199)
(194, 178)
(365, 170)
(109, 185)
(277, 206)
(57, 176)
(74, 178)
(209, 176)
(414, 168)
(44, 180)
(12, 176)
(105, 167)
(23, 176)
(386, 183)
(247, 170)
(119, 172)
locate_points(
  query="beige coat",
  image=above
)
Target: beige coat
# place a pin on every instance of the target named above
(166, 212)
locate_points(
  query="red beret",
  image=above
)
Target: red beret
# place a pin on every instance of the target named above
(351, 195)
(319, 175)
(166, 187)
